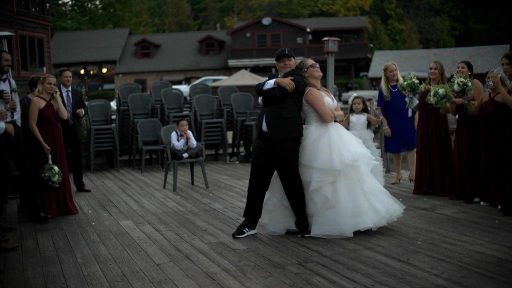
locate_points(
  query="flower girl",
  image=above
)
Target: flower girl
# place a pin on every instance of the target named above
(359, 122)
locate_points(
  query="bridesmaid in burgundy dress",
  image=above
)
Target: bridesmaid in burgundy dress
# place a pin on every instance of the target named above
(495, 138)
(434, 158)
(466, 144)
(46, 110)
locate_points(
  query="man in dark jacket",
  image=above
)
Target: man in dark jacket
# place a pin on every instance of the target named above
(72, 127)
(276, 147)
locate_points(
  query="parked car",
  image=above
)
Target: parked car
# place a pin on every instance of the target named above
(205, 80)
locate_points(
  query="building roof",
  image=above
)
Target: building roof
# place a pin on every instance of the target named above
(240, 78)
(321, 23)
(483, 58)
(316, 23)
(178, 52)
(88, 46)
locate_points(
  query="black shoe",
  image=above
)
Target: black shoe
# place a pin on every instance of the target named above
(291, 232)
(83, 189)
(304, 233)
(243, 231)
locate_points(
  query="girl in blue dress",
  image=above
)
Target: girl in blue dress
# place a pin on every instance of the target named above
(400, 132)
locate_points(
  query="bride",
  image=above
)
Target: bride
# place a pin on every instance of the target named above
(341, 178)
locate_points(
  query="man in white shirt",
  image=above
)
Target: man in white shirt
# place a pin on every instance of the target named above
(13, 146)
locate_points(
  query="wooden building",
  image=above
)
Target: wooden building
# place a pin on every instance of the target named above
(25, 31)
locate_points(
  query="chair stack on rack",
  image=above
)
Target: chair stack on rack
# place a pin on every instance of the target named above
(103, 132)
(243, 106)
(225, 93)
(174, 106)
(139, 107)
(165, 135)
(123, 115)
(148, 139)
(156, 94)
(211, 127)
(199, 89)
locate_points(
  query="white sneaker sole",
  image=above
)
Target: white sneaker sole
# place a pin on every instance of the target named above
(252, 232)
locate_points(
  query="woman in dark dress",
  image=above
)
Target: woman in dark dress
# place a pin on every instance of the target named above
(466, 143)
(30, 145)
(45, 112)
(495, 138)
(435, 172)
(400, 134)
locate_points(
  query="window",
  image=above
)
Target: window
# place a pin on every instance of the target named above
(261, 40)
(145, 51)
(32, 54)
(32, 6)
(275, 40)
(210, 47)
(268, 40)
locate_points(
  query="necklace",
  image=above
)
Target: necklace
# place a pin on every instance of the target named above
(394, 90)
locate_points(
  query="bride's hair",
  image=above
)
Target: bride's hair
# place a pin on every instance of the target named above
(303, 67)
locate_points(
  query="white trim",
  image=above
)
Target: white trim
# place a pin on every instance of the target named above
(249, 62)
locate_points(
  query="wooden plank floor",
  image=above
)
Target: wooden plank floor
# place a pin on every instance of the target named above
(132, 233)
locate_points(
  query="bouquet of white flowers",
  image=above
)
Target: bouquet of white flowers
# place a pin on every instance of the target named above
(51, 173)
(411, 87)
(440, 95)
(461, 85)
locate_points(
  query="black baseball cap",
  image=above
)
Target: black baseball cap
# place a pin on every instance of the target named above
(284, 52)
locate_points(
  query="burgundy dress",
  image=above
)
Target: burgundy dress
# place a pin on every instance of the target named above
(56, 200)
(435, 173)
(467, 156)
(495, 139)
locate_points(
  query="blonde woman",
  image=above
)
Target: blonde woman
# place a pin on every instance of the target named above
(45, 112)
(400, 134)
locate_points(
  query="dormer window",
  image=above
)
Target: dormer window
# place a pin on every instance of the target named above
(145, 48)
(210, 45)
(145, 51)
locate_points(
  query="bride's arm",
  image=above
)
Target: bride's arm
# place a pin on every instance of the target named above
(314, 98)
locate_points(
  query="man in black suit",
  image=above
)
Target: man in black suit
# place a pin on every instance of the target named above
(72, 127)
(276, 147)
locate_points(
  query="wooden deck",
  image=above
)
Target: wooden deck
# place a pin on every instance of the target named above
(132, 233)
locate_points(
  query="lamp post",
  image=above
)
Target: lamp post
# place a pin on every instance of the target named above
(330, 48)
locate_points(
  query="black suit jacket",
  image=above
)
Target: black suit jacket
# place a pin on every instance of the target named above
(72, 130)
(282, 109)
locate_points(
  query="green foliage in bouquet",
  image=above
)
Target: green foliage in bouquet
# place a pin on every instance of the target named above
(411, 84)
(440, 95)
(461, 85)
(51, 173)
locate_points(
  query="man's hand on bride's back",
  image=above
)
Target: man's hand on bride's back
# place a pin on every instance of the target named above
(286, 83)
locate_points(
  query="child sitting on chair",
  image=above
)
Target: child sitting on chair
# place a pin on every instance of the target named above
(183, 143)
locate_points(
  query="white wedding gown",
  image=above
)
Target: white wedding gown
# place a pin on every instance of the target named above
(341, 181)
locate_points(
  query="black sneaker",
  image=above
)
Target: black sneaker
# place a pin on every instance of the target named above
(243, 231)
(304, 233)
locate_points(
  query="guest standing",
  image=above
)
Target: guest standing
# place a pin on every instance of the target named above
(46, 111)
(72, 127)
(400, 134)
(495, 137)
(12, 136)
(435, 172)
(466, 143)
